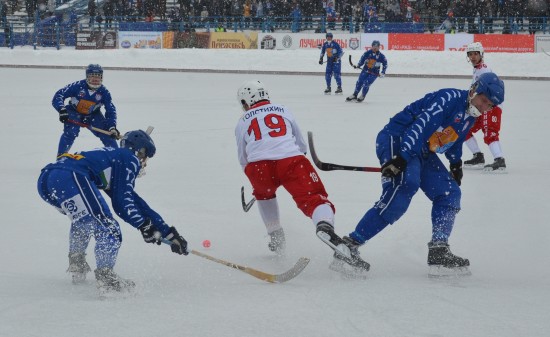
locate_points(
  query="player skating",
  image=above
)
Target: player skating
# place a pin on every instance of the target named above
(408, 148)
(334, 65)
(489, 122)
(72, 185)
(86, 97)
(371, 62)
(271, 151)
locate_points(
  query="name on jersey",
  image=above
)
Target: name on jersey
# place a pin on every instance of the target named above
(272, 108)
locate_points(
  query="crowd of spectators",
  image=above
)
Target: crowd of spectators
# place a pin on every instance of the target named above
(473, 16)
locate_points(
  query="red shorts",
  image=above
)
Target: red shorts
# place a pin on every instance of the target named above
(295, 174)
(489, 122)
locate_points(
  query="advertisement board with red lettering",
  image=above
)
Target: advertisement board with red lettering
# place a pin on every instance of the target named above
(416, 41)
(287, 41)
(506, 43)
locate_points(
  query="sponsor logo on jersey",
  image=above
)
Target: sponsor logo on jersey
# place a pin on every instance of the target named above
(74, 208)
(98, 97)
(82, 93)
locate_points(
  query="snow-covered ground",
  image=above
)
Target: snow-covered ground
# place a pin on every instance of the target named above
(194, 182)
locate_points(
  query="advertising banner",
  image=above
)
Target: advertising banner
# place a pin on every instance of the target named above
(140, 40)
(416, 41)
(458, 42)
(185, 40)
(366, 40)
(96, 40)
(542, 43)
(506, 43)
(230, 40)
(286, 41)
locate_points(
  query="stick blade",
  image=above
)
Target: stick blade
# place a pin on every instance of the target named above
(292, 272)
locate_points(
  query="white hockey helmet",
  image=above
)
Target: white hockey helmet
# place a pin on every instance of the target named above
(475, 46)
(251, 92)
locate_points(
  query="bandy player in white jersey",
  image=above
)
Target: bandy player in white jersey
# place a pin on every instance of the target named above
(489, 121)
(271, 151)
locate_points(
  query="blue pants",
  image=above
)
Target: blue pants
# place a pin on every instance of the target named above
(336, 69)
(364, 82)
(427, 173)
(77, 197)
(71, 131)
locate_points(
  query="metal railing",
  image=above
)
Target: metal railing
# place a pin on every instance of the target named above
(51, 32)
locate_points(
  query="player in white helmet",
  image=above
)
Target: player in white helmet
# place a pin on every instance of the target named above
(489, 122)
(271, 151)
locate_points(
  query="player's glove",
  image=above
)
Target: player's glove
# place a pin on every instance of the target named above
(114, 132)
(394, 166)
(63, 115)
(178, 243)
(382, 75)
(321, 60)
(355, 67)
(456, 172)
(150, 232)
(335, 59)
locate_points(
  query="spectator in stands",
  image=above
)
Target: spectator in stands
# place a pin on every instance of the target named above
(357, 13)
(246, 13)
(109, 12)
(536, 10)
(92, 11)
(31, 6)
(296, 18)
(4, 13)
(331, 16)
(204, 14)
(460, 12)
(220, 28)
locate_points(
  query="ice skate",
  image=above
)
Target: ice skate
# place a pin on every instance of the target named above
(499, 166)
(476, 162)
(109, 284)
(338, 90)
(327, 91)
(357, 268)
(78, 267)
(360, 99)
(278, 242)
(442, 262)
(345, 250)
(351, 98)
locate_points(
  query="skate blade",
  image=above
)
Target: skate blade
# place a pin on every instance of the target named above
(348, 272)
(113, 294)
(474, 167)
(327, 93)
(444, 272)
(489, 170)
(78, 278)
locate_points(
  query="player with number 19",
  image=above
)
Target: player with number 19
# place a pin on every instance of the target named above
(271, 151)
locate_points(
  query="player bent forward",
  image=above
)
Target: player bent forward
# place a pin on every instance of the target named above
(271, 150)
(408, 148)
(72, 185)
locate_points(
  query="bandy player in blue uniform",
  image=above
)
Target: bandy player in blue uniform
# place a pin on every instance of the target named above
(334, 66)
(408, 148)
(371, 61)
(72, 185)
(86, 97)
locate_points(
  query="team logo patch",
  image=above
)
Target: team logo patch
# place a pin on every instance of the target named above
(82, 93)
(268, 42)
(98, 97)
(74, 208)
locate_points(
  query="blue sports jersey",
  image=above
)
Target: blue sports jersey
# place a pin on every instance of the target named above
(371, 62)
(113, 170)
(86, 101)
(438, 123)
(332, 49)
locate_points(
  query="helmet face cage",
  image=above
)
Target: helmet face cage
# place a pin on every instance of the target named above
(375, 43)
(252, 92)
(329, 35)
(94, 76)
(141, 144)
(491, 87)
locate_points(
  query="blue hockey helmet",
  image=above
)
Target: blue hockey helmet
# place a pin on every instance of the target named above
(375, 43)
(328, 35)
(94, 76)
(491, 86)
(140, 143)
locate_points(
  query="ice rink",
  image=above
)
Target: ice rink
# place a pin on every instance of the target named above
(194, 182)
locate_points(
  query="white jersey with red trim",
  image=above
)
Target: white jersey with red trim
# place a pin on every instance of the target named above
(268, 132)
(481, 68)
